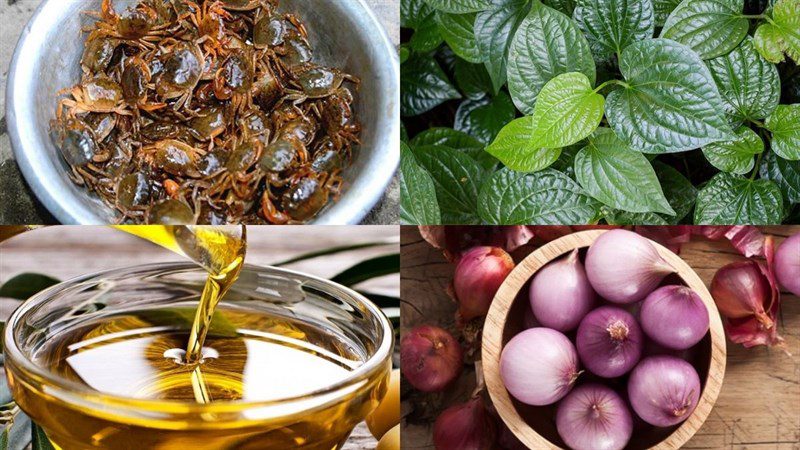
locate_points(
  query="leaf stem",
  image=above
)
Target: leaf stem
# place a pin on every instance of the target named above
(758, 164)
(758, 122)
(608, 83)
(754, 16)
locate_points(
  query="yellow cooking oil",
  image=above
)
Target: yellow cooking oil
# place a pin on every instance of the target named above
(212, 377)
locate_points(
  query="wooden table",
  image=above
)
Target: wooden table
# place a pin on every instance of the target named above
(758, 408)
(68, 251)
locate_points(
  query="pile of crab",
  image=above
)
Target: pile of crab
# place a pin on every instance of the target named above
(211, 112)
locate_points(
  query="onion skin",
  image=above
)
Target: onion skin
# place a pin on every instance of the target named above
(479, 274)
(609, 341)
(624, 267)
(539, 366)
(741, 290)
(594, 417)
(663, 390)
(787, 264)
(465, 427)
(431, 358)
(560, 293)
(674, 316)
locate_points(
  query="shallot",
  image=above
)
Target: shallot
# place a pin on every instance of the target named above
(430, 358)
(479, 274)
(539, 366)
(674, 316)
(594, 417)
(560, 293)
(741, 290)
(465, 427)
(787, 264)
(609, 341)
(663, 390)
(624, 267)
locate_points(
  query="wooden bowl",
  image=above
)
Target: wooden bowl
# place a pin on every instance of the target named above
(535, 425)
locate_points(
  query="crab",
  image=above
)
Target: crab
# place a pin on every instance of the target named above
(183, 67)
(134, 80)
(317, 82)
(234, 80)
(135, 26)
(101, 94)
(173, 157)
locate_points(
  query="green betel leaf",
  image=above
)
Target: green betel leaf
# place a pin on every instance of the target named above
(612, 25)
(513, 147)
(565, 6)
(710, 27)
(785, 173)
(457, 179)
(748, 83)
(678, 189)
(729, 199)
(662, 9)
(423, 86)
(457, 140)
(735, 156)
(413, 12)
(547, 44)
(460, 6)
(567, 110)
(781, 34)
(619, 177)
(456, 29)
(493, 31)
(427, 37)
(484, 117)
(418, 204)
(784, 123)
(472, 79)
(670, 102)
(617, 217)
(542, 198)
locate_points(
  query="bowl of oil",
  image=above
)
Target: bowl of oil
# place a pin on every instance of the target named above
(289, 361)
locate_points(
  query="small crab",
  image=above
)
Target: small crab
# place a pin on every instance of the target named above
(244, 5)
(317, 82)
(236, 178)
(173, 157)
(337, 119)
(209, 22)
(308, 193)
(267, 89)
(101, 94)
(77, 142)
(135, 25)
(97, 54)
(135, 79)
(171, 212)
(234, 81)
(183, 67)
(208, 124)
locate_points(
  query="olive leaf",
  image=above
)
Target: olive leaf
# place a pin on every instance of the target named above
(619, 177)
(567, 110)
(710, 27)
(784, 123)
(669, 102)
(418, 204)
(493, 31)
(369, 269)
(543, 198)
(612, 25)
(484, 117)
(547, 44)
(514, 147)
(457, 31)
(39, 439)
(331, 251)
(785, 173)
(729, 199)
(423, 86)
(735, 156)
(25, 285)
(457, 179)
(459, 6)
(749, 84)
(781, 33)
(662, 9)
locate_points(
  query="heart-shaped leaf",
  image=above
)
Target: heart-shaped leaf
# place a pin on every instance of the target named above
(729, 199)
(542, 198)
(484, 117)
(710, 27)
(493, 31)
(735, 156)
(784, 123)
(457, 179)
(785, 173)
(460, 6)
(670, 102)
(457, 140)
(418, 203)
(781, 34)
(567, 110)
(423, 86)
(513, 147)
(547, 44)
(612, 25)
(621, 178)
(457, 31)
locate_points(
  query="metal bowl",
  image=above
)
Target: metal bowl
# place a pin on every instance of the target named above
(344, 34)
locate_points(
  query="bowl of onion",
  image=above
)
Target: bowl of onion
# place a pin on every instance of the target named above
(603, 340)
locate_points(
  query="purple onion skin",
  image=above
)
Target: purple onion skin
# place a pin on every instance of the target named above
(560, 293)
(539, 366)
(674, 316)
(663, 390)
(609, 341)
(787, 264)
(624, 267)
(594, 417)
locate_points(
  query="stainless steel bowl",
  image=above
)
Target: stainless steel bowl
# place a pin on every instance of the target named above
(344, 33)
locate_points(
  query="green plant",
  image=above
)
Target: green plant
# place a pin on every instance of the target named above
(587, 111)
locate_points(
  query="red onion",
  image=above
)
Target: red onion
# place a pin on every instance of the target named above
(741, 290)
(479, 274)
(663, 390)
(624, 267)
(539, 366)
(787, 264)
(674, 316)
(609, 341)
(465, 427)
(560, 293)
(430, 358)
(594, 417)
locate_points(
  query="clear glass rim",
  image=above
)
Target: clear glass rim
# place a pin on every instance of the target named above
(77, 394)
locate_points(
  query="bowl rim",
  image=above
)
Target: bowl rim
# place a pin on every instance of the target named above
(363, 192)
(492, 341)
(88, 399)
